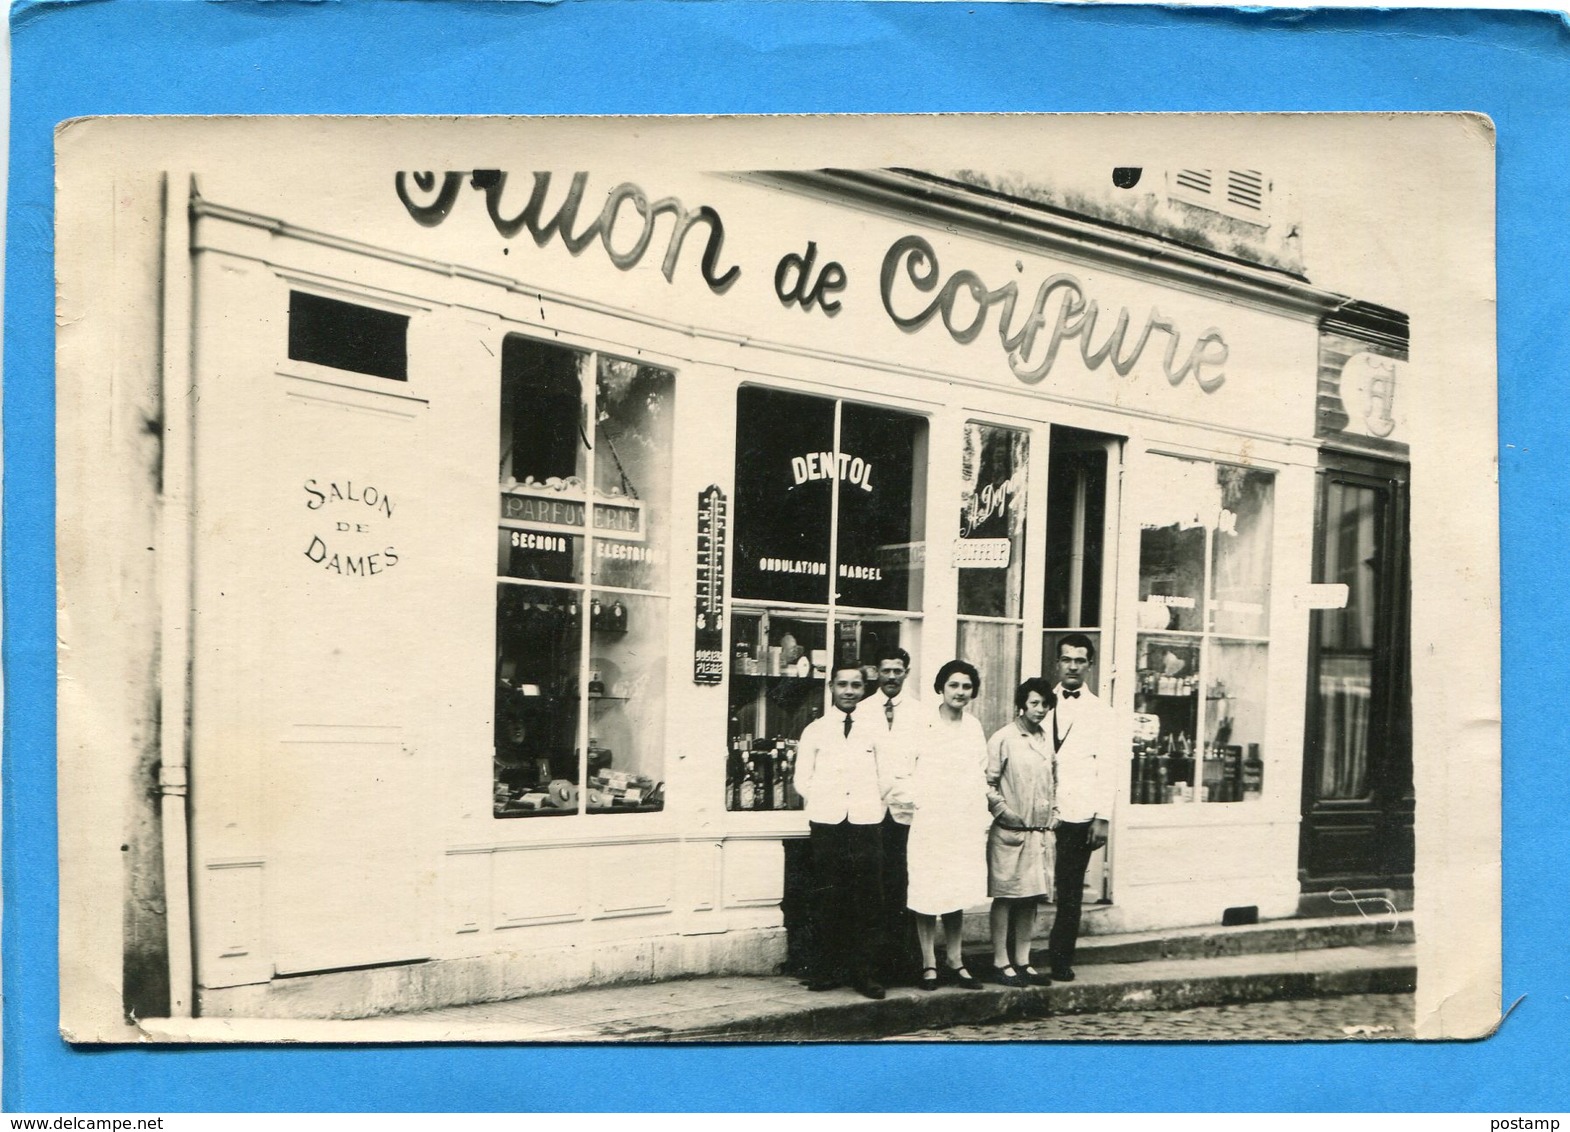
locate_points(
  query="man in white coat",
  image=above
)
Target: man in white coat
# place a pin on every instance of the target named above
(837, 777)
(906, 722)
(1084, 759)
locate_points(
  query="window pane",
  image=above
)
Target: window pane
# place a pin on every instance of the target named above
(1352, 533)
(1166, 707)
(1345, 695)
(542, 415)
(1177, 501)
(543, 505)
(991, 550)
(778, 666)
(537, 663)
(626, 698)
(1354, 515)
(1076, 527)
(1240, 584)
(632, 475)
(348, 336)
(882, 473)
(784, 467)
(1234, 722)
(994, 649)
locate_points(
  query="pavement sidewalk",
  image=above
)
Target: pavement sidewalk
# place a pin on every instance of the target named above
(1144, 972)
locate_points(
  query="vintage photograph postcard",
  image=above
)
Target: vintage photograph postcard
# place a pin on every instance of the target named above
(932, 578)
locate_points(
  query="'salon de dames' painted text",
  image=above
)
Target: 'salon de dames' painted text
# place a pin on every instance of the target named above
(355, 510)
(625, 226)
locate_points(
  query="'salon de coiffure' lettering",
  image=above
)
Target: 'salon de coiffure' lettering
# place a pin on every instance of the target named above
(1073, 317)
(606, 226)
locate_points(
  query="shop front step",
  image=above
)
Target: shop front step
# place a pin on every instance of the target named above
(1250, 939)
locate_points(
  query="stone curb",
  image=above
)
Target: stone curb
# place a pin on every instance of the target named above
(901, 1014)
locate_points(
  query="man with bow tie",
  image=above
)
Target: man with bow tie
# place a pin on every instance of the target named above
(1081, 733)
(837, 775)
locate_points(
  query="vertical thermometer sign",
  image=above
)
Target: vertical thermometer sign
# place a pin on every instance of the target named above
(708, 650)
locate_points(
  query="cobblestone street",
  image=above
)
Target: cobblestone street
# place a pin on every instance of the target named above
(1337, 1017)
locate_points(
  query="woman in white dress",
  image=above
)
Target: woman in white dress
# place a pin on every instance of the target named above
(948, 835)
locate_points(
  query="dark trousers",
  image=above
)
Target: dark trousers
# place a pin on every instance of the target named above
(1068, 884)
(901, 955)
(847, 901)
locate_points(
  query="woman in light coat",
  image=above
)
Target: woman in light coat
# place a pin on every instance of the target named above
(947, 858)
(1020, 790)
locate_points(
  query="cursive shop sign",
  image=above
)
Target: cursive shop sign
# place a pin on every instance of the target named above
(1031, 332)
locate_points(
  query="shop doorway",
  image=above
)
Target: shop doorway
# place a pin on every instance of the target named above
(1083, 477)
(1356, 834)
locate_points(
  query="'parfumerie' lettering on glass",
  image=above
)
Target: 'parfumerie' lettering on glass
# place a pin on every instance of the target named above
(610, 226)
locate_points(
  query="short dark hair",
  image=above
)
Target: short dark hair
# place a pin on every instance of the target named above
(1079, 641)
(847, 666)
(1037, 684)
(893, 652)
(950, 669)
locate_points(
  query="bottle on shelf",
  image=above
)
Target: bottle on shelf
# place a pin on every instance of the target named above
(746, 797)
(596, 614)
(792, 799)
(1253, 774)
(616, 619)
(777, 778)
(1163, 771)
(733, 777)
(596, 685)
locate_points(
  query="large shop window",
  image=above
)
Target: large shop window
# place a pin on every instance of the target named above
(583, 586)
(990, 558)
(1204, 623)
(826, 491)
(1077, 509)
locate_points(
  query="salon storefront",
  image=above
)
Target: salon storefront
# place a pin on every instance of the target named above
(530, 512)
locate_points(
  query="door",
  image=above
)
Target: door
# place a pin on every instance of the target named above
(1357, 766)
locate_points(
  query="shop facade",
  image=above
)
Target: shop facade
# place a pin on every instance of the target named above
(528, 513)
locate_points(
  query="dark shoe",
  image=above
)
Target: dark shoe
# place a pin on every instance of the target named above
(929, 979)
(1034, 977)
(961, 977)
(823, 984)
(1009, 976)
(871, 988)
(1063, 974)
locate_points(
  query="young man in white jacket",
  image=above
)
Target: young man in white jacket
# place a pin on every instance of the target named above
(1082, 738)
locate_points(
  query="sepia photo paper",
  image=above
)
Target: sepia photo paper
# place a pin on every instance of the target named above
(776, 579)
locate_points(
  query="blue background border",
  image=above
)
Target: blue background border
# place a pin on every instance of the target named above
(613, 56)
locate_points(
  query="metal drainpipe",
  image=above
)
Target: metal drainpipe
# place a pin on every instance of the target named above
(175, 591)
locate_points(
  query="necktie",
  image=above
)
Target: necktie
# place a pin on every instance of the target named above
(1070, 695)
(847, 724)
(888, 712)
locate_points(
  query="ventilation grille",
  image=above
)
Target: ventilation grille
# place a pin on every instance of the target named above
(1242, 193)
(1246, 189)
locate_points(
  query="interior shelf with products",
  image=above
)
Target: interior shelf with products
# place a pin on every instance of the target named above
(779, 664)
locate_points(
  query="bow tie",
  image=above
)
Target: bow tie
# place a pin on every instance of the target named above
(1070, 695)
